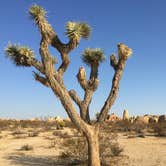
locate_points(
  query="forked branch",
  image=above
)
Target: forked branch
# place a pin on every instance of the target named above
(123, 53)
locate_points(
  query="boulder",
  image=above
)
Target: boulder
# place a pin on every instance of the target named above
(162, 119)
(142, 119)
(132, 119)
(113, 118)
(153, 119)
(126, 115)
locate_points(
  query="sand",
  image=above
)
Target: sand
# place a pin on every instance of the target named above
(148, 151)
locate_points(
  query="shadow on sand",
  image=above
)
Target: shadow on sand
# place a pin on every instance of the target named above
(27, 160)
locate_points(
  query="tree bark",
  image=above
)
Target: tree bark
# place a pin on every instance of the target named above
(93, 146)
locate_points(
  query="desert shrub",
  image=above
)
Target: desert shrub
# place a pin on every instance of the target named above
(18, 132)
(60, 133)
(116, 149)
(110, 149)
(160, 129)
(60, 125)
(69, 124)
(122, 125)
(76, 148)
(26, 147)
(33, 134)
(109, 146)
(127, 126)
(138, 127)
(8, 124)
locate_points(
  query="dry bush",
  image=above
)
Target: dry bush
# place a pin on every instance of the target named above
(8, 124)
(159, 129)
(60, 133)
(109, 147)
(69, 124)
(33, 134)
(26, 147)
(42, 124)
(18, 134)
(76, 147)
(126, 126)
(122, 126)
(60, 125)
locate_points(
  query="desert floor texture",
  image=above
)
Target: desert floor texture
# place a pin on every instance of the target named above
(38, 147)
(46, 147)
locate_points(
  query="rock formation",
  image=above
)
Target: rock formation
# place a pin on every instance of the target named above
(162, 119)
(113, 118)
(125, 115)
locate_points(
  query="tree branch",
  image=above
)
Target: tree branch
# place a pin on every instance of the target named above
(58, 90)
(89, 87)
(38, 65)
(65, 62)
(47, 31)
(113, 61)
(81, 77)
(41, 79)
(123, 53)
(113, 93)
(75, 97)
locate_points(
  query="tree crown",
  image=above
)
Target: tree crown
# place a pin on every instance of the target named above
(92, 56)
(19, 54)
(76, 30)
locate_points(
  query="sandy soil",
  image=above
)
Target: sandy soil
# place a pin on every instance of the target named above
(148, 151)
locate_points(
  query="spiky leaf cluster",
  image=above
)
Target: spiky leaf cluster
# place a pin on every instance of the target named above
(36, 12)
(93, 56)
(124, 51)
(20, 55)
(76, 30)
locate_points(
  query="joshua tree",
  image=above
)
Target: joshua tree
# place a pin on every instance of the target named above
(52, 77)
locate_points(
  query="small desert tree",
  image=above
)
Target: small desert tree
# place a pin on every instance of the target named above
(52, 77)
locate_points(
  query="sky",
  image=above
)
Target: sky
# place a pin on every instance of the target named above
(139, 24)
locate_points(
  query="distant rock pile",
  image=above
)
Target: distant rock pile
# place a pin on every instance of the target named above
(162, 119)
(145, 119)
(113, 118)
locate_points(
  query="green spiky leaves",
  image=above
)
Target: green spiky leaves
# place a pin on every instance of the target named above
(20, 55)
(36, 12)
(93, 56)
(76, 30)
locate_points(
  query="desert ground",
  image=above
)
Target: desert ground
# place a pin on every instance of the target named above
(39, 146)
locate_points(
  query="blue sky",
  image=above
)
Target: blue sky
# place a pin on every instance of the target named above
(139, 24)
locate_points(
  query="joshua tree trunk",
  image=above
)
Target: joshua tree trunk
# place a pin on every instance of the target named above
(51, 77)
(93, 147)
